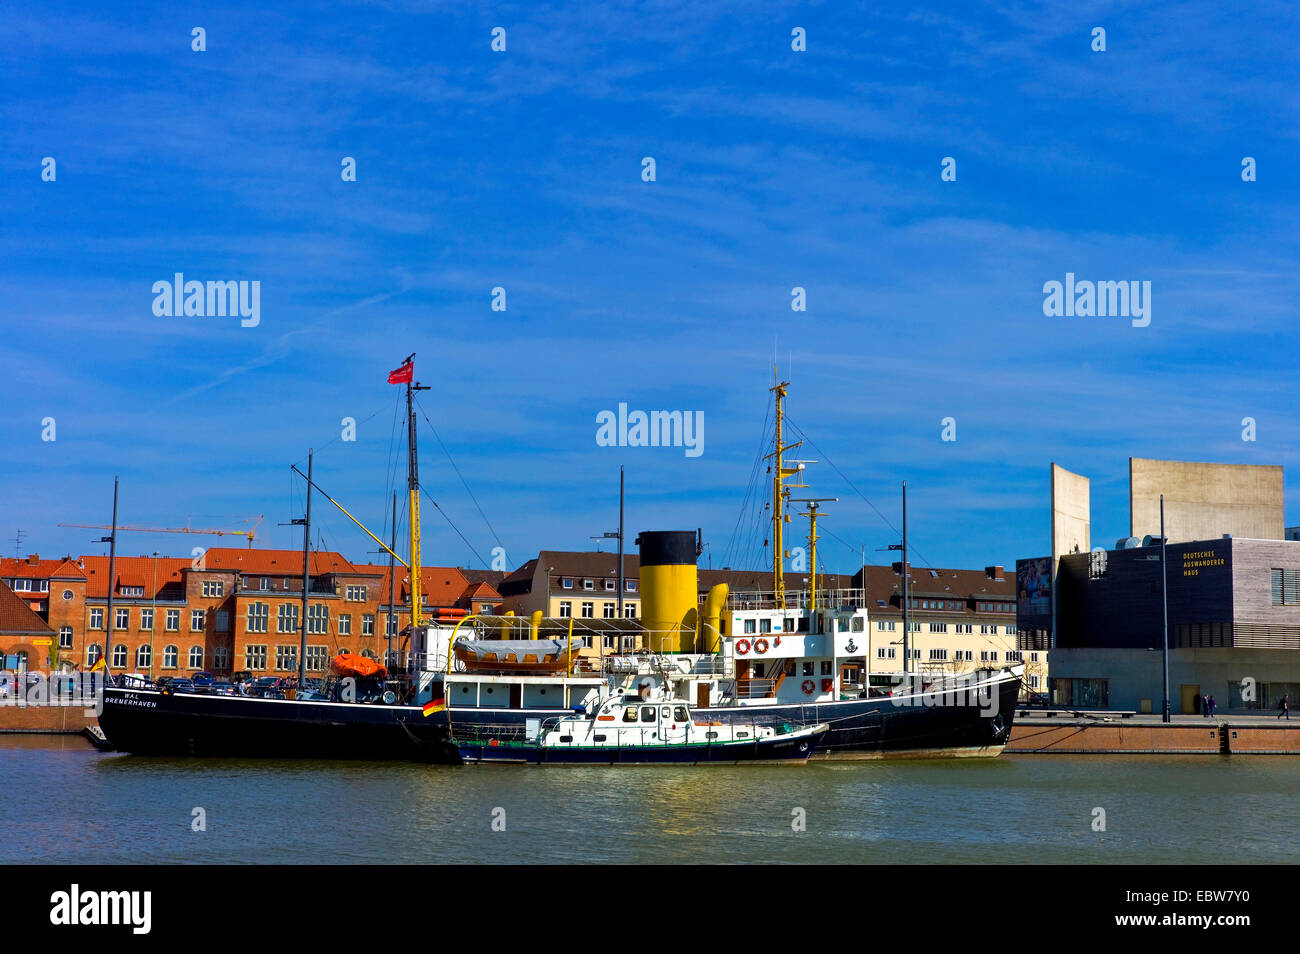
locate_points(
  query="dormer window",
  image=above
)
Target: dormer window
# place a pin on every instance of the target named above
(566, 582)
(588, 584)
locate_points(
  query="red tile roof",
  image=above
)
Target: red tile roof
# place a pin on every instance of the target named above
(132, 571)
(440, 585)
(65, 567)
(17, 618)
(258, 562)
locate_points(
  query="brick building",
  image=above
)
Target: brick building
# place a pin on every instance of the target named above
(231, 610)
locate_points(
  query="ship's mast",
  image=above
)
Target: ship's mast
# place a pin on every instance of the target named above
(306, 581)
(413, 488)
(780, 491)
(811, 513)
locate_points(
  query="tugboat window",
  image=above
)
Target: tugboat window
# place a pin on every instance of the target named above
(665, 713)
(629, 715)
(647, 713)
(680, 715)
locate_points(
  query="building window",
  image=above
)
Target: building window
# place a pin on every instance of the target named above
(93, 652)
(390, 625)
(65, 637)
(22, 586)
(171, 656)
(259, 615)
(255, 657)
(345, 624)
(121, 619)
(566, 582)
(630, 585)
(223, 621)
(588, 609)
(286, 619)
(629, 611)
(1015, 656)
(213, 588)
(566, 609)
(146, 619)
(588, 584)
(368, 624)
(609, 611)
(939, 655)
(355, 594)
(174, 621)
(317, 657)
(286, 658)
(1286, 587)
(1033, 657)
(198, 618)
(196, 657)
(611, 585)
(119, 656)
(221, 658)
(938, 627)
(143, 657)
(265, 583)
(318, 619)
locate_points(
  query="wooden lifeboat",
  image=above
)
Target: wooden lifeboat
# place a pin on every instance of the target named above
(514, 655)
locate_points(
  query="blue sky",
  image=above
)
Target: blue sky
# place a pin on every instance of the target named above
(522, 169)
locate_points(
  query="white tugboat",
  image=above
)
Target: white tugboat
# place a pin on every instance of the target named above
(636, 729)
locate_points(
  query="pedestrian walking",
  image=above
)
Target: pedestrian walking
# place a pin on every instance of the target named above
(1212, 704)
(1284, 708)
(1205, 707)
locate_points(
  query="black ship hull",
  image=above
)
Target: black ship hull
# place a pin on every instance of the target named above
(150, 722)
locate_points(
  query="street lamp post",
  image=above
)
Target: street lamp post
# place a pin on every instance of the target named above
(1164, 599)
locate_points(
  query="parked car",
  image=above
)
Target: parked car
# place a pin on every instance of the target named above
(203, 681)
(223, 688)
(267, 687)
(181, 684)
(163, 681)
(1037, 699)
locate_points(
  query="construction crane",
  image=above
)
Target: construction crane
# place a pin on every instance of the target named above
(186, 529)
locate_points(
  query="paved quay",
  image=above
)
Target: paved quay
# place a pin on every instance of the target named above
(1061, 731)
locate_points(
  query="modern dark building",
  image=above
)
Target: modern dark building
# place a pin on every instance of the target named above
(1234, 625)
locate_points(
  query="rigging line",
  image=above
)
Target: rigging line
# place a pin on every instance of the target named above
(454, 527)
(391, 474)
(464, 483)
(754, 471)
(803, 435)
(335, 440)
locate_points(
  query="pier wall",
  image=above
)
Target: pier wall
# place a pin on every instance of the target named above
(1087, 737)
(51, 719)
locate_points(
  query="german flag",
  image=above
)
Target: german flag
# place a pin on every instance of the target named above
(99, 664)
(434, 705)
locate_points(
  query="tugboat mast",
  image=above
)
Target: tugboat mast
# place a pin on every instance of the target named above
(780, 491)
(413, 488)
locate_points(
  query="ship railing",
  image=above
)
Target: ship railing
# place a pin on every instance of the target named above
(669, 665)
(836, 598)
(755, 688)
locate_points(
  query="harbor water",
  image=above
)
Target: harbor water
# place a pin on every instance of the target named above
(68, 803)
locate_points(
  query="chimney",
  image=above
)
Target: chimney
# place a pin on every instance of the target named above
(993, 572)
(33, 559)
